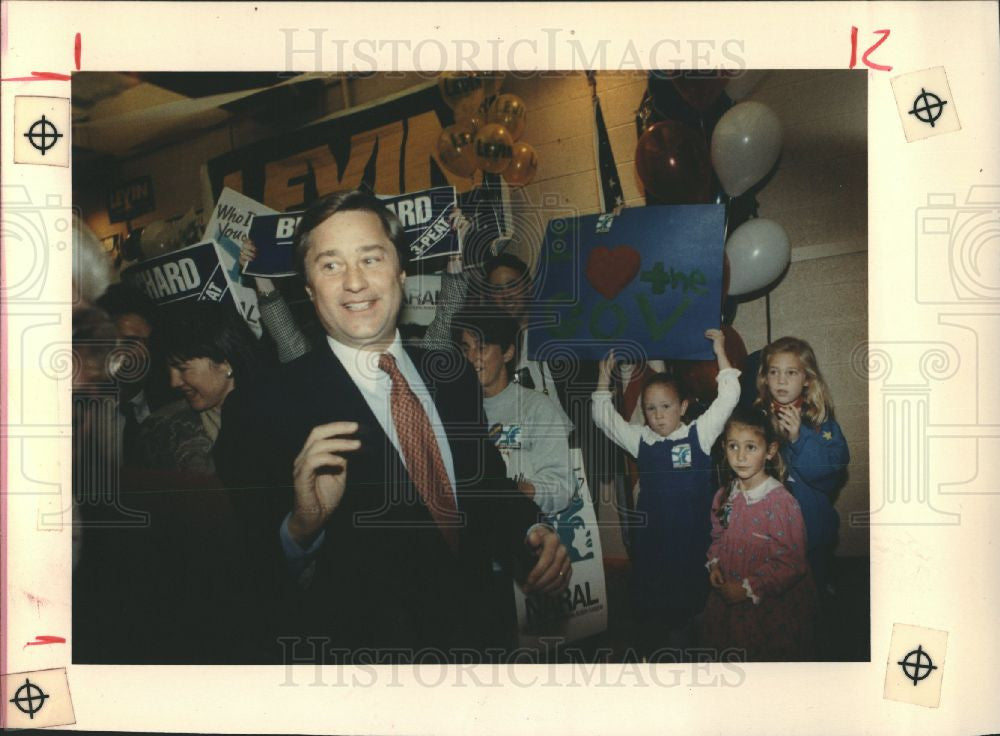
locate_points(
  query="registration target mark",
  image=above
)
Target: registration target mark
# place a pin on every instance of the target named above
(915, 665)
(36, 699)
(925, 103)
(41, 130)
(29, 698)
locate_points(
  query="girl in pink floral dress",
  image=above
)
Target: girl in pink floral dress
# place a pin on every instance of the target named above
(763, 600)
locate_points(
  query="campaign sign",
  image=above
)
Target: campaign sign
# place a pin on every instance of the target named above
(194, 272)
(426, 218)
(420, 299)
(131, 199)
(228, 226)
(582, 609)
(646, 281)
(272, 236)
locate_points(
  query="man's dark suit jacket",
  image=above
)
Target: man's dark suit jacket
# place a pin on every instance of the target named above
(384, 577)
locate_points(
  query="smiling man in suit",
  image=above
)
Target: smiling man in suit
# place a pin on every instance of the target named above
(399, 498)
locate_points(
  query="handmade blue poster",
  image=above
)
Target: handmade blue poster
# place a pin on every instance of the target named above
(647, 282)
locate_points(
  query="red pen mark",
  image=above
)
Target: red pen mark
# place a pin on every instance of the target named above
(864, 57)
(51, 76)
(45, 639)
(39, 77)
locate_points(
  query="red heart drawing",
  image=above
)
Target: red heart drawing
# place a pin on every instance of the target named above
(611, 270)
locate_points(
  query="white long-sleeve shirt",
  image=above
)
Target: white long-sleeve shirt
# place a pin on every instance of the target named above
(710, 424)
(531, 432)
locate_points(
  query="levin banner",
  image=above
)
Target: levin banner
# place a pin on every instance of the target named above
(386, 148)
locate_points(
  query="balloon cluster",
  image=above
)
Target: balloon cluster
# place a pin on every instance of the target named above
(707, 149)
(162, 236)
(487, 128)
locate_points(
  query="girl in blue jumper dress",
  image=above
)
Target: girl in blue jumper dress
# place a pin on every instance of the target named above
(796, 399)
(676, 486)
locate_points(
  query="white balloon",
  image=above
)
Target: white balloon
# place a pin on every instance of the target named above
(745, 144)
(158, 237)
(739, 87)
(758, 252)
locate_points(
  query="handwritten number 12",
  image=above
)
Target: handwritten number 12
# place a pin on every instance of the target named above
(864, 57)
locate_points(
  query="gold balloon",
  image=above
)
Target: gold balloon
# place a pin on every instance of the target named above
(523, 165)
(461, 91)
(510, 112)
(492, 82)
(457, 150)
(478, 119)
(494, 148)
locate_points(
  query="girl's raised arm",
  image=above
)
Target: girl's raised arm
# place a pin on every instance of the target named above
(606, 417)
(711, 423)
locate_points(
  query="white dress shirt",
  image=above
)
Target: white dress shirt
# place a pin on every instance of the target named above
(376, 387)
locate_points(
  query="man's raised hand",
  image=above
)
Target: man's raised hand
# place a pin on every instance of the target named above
(320, 474)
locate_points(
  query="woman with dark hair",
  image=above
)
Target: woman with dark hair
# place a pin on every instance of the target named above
(209, 350)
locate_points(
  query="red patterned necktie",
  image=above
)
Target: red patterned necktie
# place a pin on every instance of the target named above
(421, 452)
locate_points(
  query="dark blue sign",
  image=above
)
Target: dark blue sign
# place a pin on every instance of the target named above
(272, 236)
(426, 218)
(189, 273)
(648, 282)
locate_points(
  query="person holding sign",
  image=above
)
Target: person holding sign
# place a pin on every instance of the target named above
(529, 428)
(509, 285)
(399, 501)
(675, 471)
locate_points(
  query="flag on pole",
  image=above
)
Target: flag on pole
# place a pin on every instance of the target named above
(609, 185)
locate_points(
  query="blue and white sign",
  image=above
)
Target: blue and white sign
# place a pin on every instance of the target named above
(191, 273)
(426, 218)
(582, 609)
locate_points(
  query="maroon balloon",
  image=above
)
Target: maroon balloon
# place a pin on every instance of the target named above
(700, 92)
(699, 375)
(673, 163)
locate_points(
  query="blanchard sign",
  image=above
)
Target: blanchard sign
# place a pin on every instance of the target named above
(192, 273)
(273, 236)
(426, 219)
